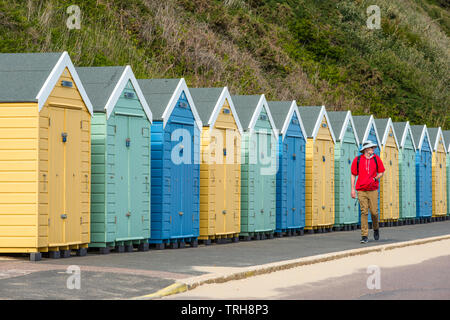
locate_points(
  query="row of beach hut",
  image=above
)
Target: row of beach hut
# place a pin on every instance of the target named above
(93, 157)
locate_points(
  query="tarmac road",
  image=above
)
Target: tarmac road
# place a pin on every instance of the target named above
(128, 275)
(418, 272)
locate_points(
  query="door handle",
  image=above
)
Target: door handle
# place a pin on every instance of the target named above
(180, 213)
(224, 211)
(64, 216)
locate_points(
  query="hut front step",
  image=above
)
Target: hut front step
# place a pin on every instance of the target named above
(178, 243)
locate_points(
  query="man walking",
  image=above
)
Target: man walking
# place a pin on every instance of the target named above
(369, 168)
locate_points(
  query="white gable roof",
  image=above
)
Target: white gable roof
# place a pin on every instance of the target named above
(262, 103)
(439, 136)
(323, 113)
(126, 76)
(293, 109)
(405, 134)
(49, 84)
(366, 133)
(225, 95)
(348, 119)
(386, 133)
(182, 86)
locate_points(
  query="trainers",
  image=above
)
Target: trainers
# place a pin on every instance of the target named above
(364, 240)
(376, 234)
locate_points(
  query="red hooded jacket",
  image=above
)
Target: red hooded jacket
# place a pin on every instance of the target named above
(367, 171)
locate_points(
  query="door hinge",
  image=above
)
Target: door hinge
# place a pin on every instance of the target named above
(115, 219)
(81, 124)
(142, 219)
(49, 222)
(49, 122)
(170, 219)
(81, 220)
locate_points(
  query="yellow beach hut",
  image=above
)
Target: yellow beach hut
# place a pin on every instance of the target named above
(319, 169)
(389, 183)
(220, 165)
(439, 174)
(45, 154)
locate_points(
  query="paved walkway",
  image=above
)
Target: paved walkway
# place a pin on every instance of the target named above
(128, 275)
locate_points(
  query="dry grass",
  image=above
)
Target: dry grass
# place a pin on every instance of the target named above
(166, 41)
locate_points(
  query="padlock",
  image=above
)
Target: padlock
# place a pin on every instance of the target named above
(64, 137)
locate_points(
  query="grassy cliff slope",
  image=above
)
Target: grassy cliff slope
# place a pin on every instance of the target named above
(317, 52)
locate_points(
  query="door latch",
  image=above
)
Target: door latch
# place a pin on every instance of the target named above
(127, 142)
(224, 211)
(128, 214)
(64, 216)
(180, 213)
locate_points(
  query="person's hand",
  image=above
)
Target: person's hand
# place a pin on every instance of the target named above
(353, 193)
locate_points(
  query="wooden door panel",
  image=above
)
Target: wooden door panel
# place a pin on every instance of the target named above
(73, 176)
(56, 173)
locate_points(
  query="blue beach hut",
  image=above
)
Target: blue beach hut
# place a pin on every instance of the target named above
(367, 130)
(424, 187)
(290, 217)
(346, 149)
(175, 168)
